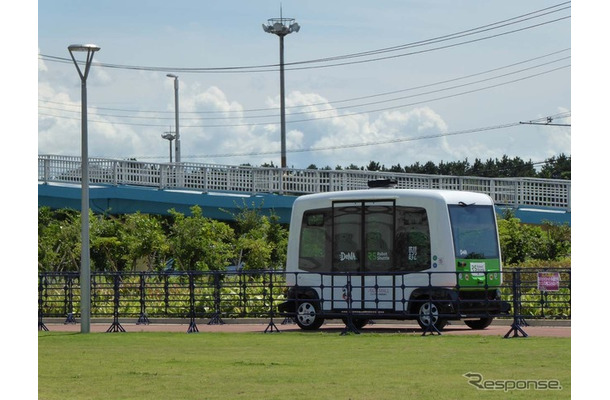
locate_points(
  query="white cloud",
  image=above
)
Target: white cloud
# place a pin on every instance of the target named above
(217, 129)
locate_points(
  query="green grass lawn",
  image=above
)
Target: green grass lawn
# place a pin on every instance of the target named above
(294, 365)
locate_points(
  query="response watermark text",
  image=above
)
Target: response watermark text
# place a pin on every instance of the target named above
(476, 380)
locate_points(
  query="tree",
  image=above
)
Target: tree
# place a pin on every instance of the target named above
(144, 239)
(199, 243)
(58, 240)
(559, 167)
(521, 242)
(261, 241)
(107, 250)
(518, 241)
(373, 166)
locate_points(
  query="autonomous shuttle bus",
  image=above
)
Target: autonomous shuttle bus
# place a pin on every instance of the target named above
(428, 255)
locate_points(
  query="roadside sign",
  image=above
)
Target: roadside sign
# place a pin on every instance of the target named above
(548, 281)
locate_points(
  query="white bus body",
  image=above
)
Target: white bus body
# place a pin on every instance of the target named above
(379, 253)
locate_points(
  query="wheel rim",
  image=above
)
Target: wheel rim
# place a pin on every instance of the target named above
(306, 314)
(427, 312)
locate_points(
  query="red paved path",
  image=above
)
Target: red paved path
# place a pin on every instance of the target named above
(500, 328)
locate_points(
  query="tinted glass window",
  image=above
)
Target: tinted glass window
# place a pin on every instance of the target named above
(365, 237)
(314, 249)
(474, 231)
(347, 235)
(412, 239)
(379, 238)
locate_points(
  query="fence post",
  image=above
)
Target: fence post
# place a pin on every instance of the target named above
(143, 318)
(271, 327)
(116, 326)
(68, 301)
(431, 328)
(515, 328)
(216, 319)
(291, 319)
(349, 324)
(192, 324)
(166, 292)
(41, 325)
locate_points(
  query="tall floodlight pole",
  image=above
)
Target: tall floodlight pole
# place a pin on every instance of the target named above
(177, 152)
(282, 27)
(85, 268)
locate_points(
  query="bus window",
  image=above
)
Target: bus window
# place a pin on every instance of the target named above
(474, 231)
(379, 236)
(347, 244)
(412, 239)
(314, 242)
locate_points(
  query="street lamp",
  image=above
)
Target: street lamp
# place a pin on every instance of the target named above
(85, 268)
(282, 27)
(175, 77)
(170, 137)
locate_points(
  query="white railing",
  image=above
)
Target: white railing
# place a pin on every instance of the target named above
(553, 193)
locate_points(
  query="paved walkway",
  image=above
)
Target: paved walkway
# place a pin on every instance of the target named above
(498, 328)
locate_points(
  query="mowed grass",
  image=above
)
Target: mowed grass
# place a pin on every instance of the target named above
(293, 365)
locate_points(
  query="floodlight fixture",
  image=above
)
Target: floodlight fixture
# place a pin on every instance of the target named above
(169, 136)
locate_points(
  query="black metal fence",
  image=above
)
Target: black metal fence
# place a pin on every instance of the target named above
(213, 296)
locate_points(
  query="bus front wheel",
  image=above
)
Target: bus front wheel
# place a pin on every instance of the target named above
(308, 316)
(428, 314)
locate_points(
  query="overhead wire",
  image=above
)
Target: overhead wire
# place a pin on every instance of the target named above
(242, 113)
(315, 118)
(300, 64)
(366, 144)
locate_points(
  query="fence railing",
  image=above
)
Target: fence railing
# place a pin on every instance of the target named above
(554, 193)
(218, 295)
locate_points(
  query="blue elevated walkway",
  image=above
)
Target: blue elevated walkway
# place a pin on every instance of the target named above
(130, 199)
(123, 199)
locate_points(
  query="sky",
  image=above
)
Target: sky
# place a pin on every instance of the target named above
(395, 82)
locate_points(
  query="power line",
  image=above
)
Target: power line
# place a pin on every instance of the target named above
(300, 64)
(356, 145)
(316, 118)
(77, 108)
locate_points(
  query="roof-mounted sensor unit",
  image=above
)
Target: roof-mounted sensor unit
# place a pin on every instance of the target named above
(382, 183)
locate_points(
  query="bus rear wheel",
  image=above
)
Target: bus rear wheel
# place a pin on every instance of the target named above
(428, 314)
(477, 324)
(308, 316)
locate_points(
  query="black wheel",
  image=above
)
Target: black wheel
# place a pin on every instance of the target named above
(359, 323)
(428, 313)
(308, 316)
(481, 323)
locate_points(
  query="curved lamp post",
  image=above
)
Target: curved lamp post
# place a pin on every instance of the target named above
(85, 269)
(282, 27)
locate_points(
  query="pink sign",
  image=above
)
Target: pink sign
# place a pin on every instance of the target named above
(548, 281)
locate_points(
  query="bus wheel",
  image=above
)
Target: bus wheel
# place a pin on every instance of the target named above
(481, 323)
(429, 314)
(308, 317)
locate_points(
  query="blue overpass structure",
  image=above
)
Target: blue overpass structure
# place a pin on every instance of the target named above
(131, 199)
(124, 187)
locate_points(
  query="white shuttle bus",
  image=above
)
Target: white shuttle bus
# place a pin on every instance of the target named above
(423, 254)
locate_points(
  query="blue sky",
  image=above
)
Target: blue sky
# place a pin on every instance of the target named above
(436, 98)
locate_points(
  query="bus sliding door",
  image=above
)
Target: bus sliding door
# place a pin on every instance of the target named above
(363, 241)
